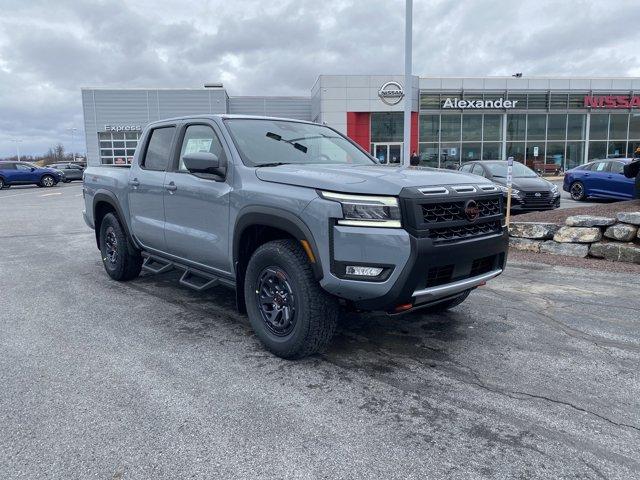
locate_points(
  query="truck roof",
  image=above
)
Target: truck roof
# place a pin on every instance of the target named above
(229, 115)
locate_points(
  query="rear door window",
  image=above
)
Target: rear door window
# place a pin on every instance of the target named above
(478, 170)
(7, 166)
(600, 166)
(617, 167)
(159, 149)
(466, 168)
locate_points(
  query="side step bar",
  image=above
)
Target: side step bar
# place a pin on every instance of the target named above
(191, 277)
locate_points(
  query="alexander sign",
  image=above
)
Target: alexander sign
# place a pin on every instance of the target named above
(478, 104)
(122, 128)
(612, 101)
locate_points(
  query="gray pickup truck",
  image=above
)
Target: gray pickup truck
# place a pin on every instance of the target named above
(298, 219)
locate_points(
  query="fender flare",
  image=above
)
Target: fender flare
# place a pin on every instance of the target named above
(106, 196)
(282, 220)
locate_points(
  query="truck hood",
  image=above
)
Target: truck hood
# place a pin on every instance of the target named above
(374, 179)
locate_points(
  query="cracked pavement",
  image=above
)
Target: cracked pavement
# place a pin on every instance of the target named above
(536, 375)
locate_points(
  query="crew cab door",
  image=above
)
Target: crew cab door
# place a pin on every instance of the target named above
(196, 206)
(146, 188)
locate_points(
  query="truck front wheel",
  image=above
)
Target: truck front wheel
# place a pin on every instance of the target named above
(291, 315)
(120, 262)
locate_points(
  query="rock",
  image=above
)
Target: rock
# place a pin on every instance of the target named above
(619, 252)
(525, 244)
(589, 221)
(535, 230)
(622, 232)
(629, 217)
(567, 249)
(578, 235)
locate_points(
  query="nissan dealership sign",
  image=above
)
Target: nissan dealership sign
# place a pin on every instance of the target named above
(612, 101)
(478, 104)
(122, 128)
(391, 93)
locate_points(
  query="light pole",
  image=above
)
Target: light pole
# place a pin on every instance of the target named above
(18, 142)
(408, 81)
(73, 130)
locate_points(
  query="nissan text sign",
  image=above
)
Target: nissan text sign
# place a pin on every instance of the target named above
(612, 101)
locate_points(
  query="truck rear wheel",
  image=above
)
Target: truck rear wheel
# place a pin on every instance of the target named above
(290, 313)
(119, 260)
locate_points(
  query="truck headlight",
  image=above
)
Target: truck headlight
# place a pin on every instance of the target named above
(367, 210)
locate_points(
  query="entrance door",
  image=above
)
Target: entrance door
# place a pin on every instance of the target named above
(388, 153)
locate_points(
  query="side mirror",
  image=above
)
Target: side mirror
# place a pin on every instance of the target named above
(204, 162)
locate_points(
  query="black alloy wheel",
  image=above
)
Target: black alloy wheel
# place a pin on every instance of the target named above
(111, 245)
(276, 301)
(577, 191)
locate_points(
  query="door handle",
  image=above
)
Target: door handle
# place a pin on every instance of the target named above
(172, 187)
(134, 183)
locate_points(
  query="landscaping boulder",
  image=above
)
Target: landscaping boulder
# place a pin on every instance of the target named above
(568, 249)
(535, 230)
(619, 252)
(622, 232)
(578, 235)
(525, 244)
(589, 221)
(629, 217)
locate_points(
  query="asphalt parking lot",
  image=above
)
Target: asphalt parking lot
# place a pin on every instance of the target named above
(535, 376)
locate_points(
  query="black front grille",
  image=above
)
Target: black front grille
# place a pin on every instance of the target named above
(462, 232)
(439, 275)
(537, 194)
(454, 211)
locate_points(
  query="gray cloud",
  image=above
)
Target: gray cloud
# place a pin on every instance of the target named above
(49, 50)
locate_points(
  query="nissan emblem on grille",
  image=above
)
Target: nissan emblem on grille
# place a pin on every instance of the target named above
(471, 210)
(538, 194)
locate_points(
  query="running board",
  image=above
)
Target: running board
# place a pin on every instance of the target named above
(199, 281)
(156, 265)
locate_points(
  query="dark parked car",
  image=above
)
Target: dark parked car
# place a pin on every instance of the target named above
(599, 179)
(72, 171)
(528, 190)
(23, 173)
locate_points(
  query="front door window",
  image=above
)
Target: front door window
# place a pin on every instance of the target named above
(388, 153)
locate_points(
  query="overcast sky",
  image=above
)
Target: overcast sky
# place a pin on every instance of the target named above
(49, 50)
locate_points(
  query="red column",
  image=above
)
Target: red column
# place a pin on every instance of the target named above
(414, 132)
(359, 128)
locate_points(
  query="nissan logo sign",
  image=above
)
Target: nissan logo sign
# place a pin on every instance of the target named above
(391, 93)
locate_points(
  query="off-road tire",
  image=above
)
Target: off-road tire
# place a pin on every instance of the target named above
(578, 187)
(128, 261)
(444, 306)
(316, 312)
(47, 181)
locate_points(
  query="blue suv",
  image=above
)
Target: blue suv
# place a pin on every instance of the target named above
(23, 173)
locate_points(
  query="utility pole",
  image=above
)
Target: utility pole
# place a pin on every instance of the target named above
(408, 81)
(73, 130)
(18, 142)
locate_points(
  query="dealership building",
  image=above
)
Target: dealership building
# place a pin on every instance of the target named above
(560, 122)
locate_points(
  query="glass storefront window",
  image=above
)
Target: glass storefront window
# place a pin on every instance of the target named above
(537, 100)
(555, 154)
(117, 147)
(471, 151)
(597, 150)
(492, 151)
(576, 126)
(473, 96)
(429, 154)
(634, 127)
(575, 154)
(449, 155)
(618, 126)
(450, 127)
(617, 149)
(429, 128)
(556, 127)
(492, 127)
(535, 154)
(516, 150)
(576, 100)
(558, 101)
(521, 98)
(598, 128)
(429, 101)
(536, 125)
(472, 127)
(386, 126)
(516, 126)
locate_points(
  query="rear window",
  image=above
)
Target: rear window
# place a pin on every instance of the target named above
(617, 167)
(159, 149)
(7, 166)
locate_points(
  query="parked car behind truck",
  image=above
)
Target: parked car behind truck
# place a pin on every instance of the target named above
(24, 173)
(298, 219)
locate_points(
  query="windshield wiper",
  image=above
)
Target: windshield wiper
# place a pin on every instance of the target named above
(272, 164)
(296, 145)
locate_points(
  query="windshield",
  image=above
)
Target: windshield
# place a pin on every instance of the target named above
(276, 142)
(519, 170)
